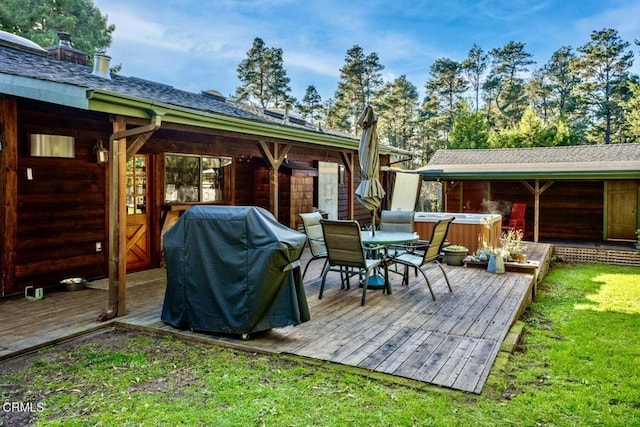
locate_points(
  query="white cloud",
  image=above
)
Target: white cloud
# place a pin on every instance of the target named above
(311, 62)
(623, 19)
(179, 41)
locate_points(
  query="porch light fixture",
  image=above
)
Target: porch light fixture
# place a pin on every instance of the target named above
(102, 154)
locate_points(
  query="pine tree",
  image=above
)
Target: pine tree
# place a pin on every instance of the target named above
(360, 78)
(311, 105)
(396, 105)
(604, 65)
(474, 67)
(632, 109)
(41, 20)
(510, 97)
(263, 77)
(448, 85)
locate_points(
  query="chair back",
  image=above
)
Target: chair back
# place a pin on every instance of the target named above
(344, 243)
(397, 221)
(313, 230)
(516, 220)
(438, 237)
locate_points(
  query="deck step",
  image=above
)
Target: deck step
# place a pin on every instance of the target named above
(513, 337)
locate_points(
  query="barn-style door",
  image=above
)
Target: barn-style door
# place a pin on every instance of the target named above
(138, 231)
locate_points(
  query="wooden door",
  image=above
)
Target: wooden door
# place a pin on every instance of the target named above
(328, 188)
(138, 231)
(622, 205)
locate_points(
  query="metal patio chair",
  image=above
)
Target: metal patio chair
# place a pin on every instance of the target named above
(347, 255)
(430, 257)
(315, 239)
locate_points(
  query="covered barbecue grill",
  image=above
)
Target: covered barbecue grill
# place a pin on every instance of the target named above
(233, 269)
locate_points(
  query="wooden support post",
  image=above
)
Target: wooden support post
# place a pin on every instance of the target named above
(447, 187)
(117, 179)
(347, 159)
(537, 191)
(122, 226)
(117, 224)
(8, 192)
(274, 158)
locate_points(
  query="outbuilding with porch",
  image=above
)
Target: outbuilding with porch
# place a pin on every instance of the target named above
(586, 194)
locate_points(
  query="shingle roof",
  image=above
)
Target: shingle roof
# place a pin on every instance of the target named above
(19, 62)
(539, 155)
(572, 161)
(25, 64)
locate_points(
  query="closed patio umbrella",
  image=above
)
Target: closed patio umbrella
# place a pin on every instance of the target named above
(370, 191)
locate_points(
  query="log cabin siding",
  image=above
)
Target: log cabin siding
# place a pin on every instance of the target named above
(569, 209)
(572, 210)
(245, 181)
(62, 210)
(301, 196)
(453, 197)
(8, 192)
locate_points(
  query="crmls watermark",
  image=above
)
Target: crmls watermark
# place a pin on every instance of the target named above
(23, 407)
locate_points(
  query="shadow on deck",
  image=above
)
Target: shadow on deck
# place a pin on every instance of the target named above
(451, 342)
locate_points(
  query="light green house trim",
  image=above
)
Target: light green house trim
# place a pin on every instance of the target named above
(117, 103)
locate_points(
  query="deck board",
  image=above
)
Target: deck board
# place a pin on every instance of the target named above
(451, 342)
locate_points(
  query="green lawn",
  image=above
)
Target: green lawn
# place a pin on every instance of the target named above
(578, 363)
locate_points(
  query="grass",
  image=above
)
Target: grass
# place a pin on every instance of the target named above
(578, 363)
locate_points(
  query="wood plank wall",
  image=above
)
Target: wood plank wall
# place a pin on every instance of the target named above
(8, 191)
(62, 209)
(568, 209)
(573, 210)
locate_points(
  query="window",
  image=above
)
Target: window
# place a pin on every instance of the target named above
(42, 145)
(191, 178)
(137, 185)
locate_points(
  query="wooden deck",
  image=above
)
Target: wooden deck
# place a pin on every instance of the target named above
(451, 342)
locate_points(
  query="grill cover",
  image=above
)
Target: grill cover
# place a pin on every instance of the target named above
(233, 269)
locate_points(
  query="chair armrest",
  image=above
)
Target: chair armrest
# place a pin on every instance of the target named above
(413, 246)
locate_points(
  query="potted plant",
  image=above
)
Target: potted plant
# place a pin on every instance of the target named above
(484, 251)
(512, 247)
(455, 254)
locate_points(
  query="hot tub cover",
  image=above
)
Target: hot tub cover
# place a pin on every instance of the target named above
(233, 269)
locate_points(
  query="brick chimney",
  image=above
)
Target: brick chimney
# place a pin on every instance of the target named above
(63, 51)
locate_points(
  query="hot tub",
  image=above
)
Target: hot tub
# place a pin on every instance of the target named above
(467, 229)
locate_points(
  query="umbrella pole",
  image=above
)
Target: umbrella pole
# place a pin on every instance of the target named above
(373, 222)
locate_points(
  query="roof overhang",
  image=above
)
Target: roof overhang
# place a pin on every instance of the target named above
(43, 90)
(109, 102)
(510, 171)
(116, 103)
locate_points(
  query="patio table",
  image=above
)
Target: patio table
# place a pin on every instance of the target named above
(385, 238)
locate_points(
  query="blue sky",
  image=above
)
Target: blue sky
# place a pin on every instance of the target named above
(197, 44)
